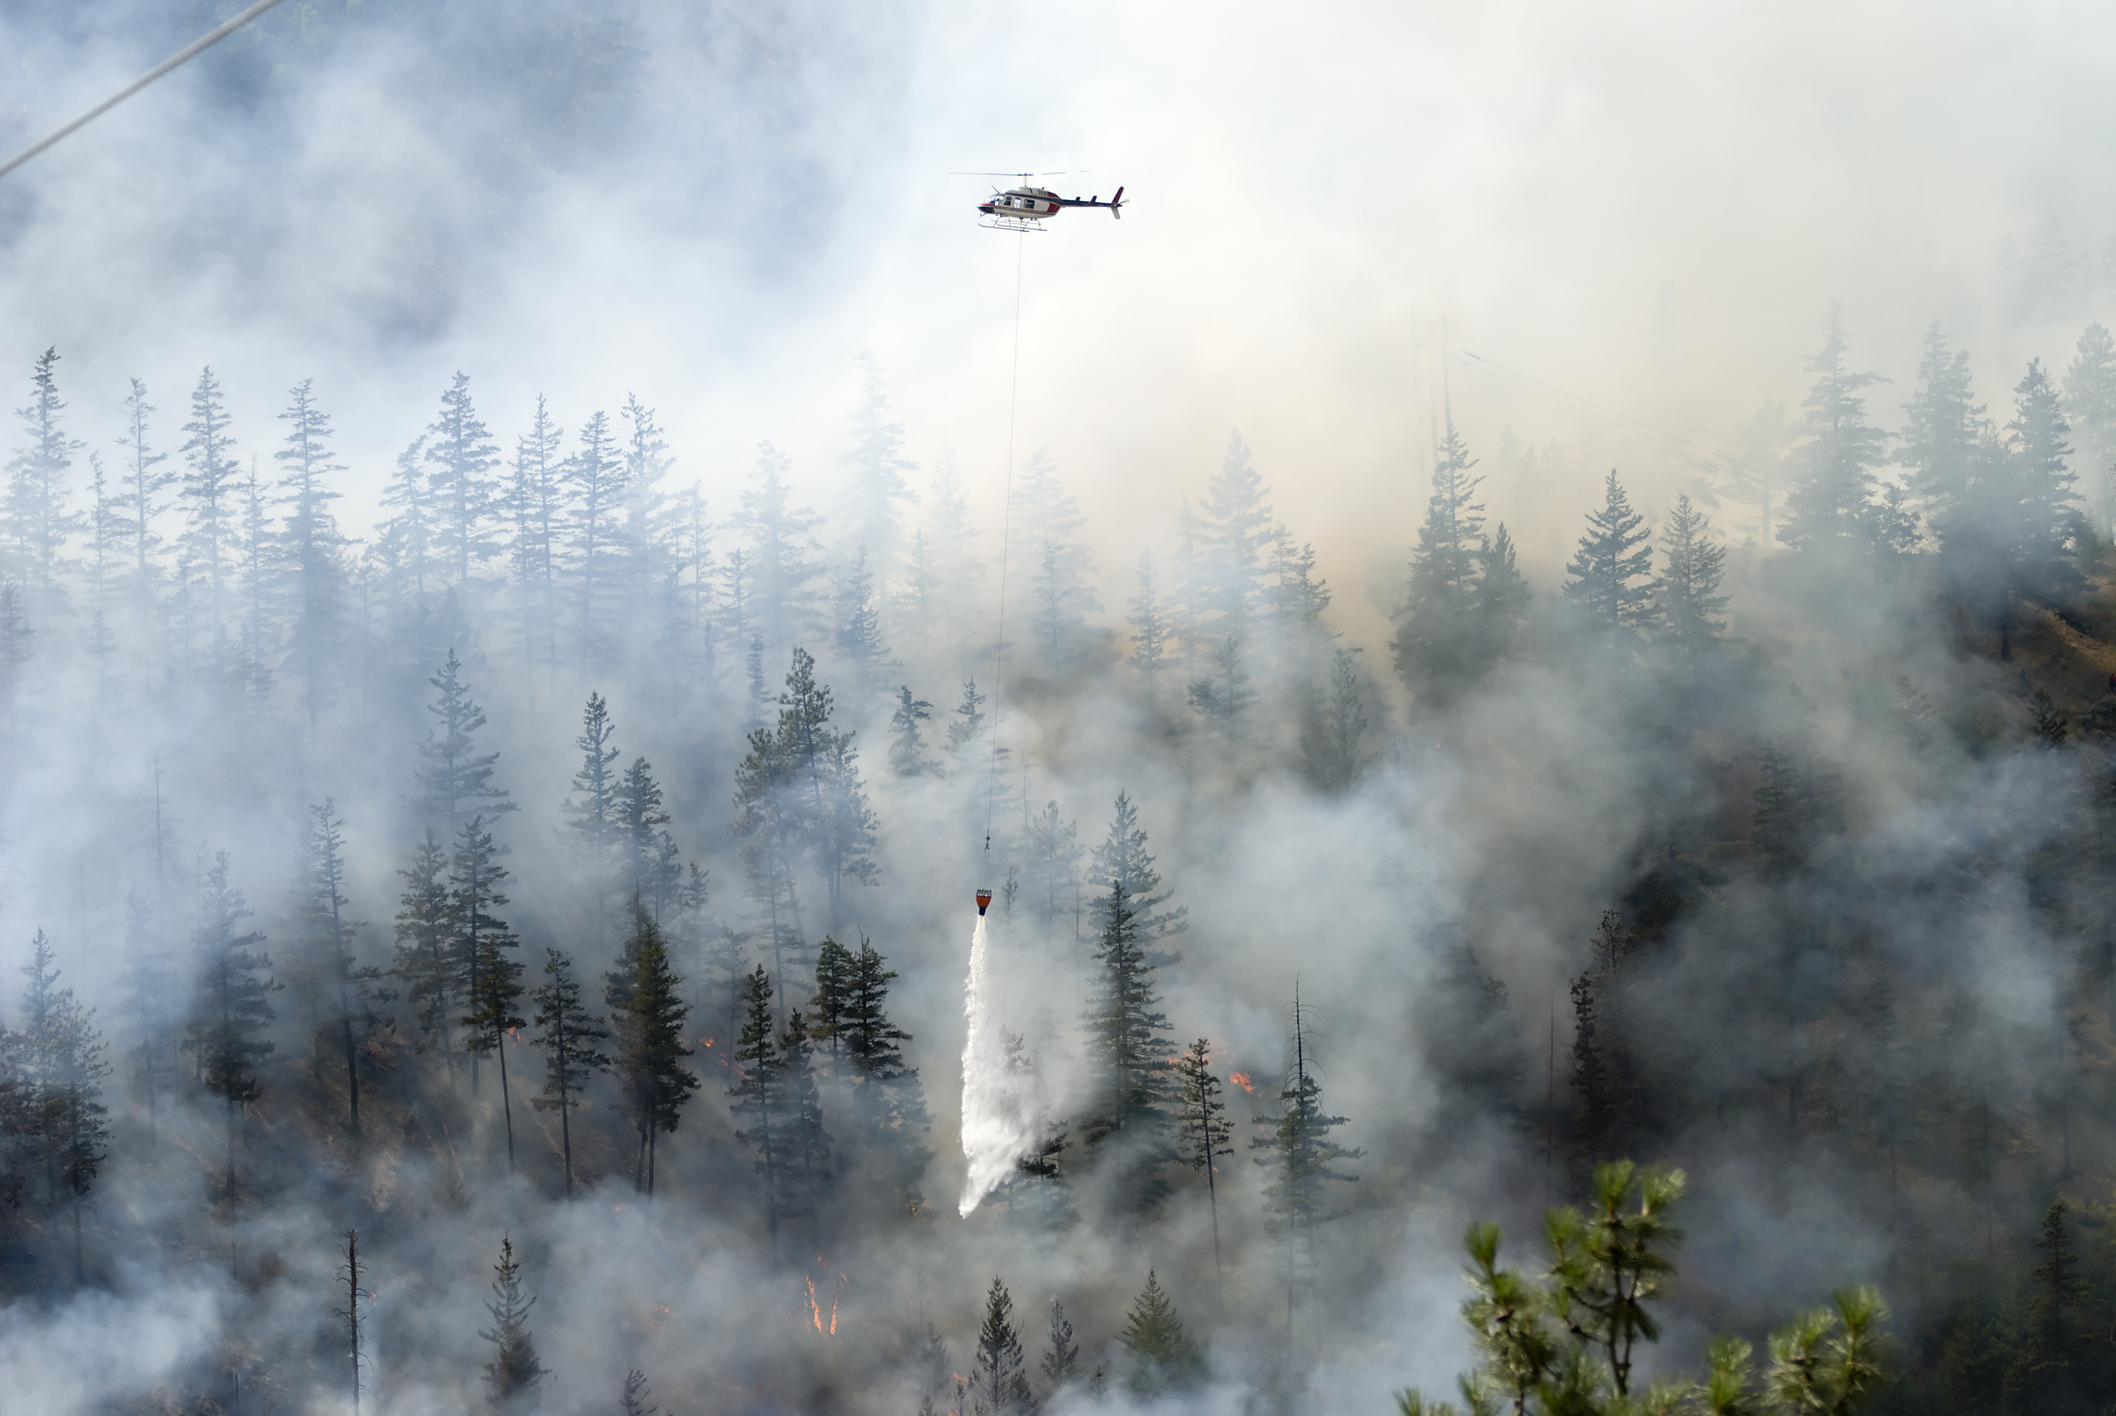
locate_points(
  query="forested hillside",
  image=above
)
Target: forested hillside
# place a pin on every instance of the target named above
(506, 943)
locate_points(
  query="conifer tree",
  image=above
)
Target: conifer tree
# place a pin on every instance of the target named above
(233, 1003)
(426, 958)
(314, 547)
(1502, 597)
(597, 806)
(213, 492)
(1151, 653)
(464, 488)
(767, 820)
(1332, 737)
(1122, 857)
(571, 1038)
(2090, 406)
(1054, 853)
(1437, 647)
(826, 802)
(803, 1142)
(1945, 436)
(515, 1374)
(1829, 504)
(142, 497)
(1222, 699)
(632, 1398)
(492, 977)
(1128, 1050)
(958, 571)
(858, 633)
(455, 777)
(1061, 1355)
(1235, 531)
(1203, 1132)
(62, 1088)
(2045, 529)
(1046, 520)
(1163, 1356)
(647, 854)
(1686, 594)
(757, 1095)
(646, 565)
(1297, 600)
(907, 748)
(36, 516)
(404, 553)
(647, 1011)
(875, 483)
(259, 574)
(595, 480)
(1611, 570)
(325, 933)
(1298, 1157)
(780, 555)
(1000, 1385)
(886, 1102)
(536, 511)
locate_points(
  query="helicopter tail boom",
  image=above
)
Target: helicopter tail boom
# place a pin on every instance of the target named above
(1116, 205)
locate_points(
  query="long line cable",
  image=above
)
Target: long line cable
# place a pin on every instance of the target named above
(189, 51)
(1006, 530)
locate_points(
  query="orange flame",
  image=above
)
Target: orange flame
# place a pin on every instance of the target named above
(815, 1314)
(1241, 1079)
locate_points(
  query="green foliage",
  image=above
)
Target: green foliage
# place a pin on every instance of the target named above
(1163, 1356)
(999, 1384)
(1563, 1345)
(1611, 570)
(514, 1374)
(647, 1012)
(1128, 1047)
(1686, 595)
(907, 746)
(571, 1039)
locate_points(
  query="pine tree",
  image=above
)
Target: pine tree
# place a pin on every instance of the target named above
(142, 498)
(1203, 1131)
(1061, 1355)
(1297, 601)
(1235, 530)
(403, 554)
(514, 1375)
(1223, 699)
(2090, 406)
(1331, 738)
(826, 802)
(425, 958)
(36, 519)
(647, 1011)
(803, 1142)
(597, 805)
(1298, 1157)
(571, 1039)
(464, 488)
(1128, 1050)
(758, 1097)
(325, 933)
(999, 1384)
(887, 1101)
(314, 547)
(1151, 651)
(350, 1271)
(876, 469)
(455, 777)
(1061, 596)
(1438, 647)
(1122, 857)
(1054, 853)
(907, 748)
(766, 819)
(1686, 594)
(647, 854)
(537, 513)
(780, 554)
(1163, 1356)
(233, 1003)
(646, 568)
(1502, 597)
(858, 636)
(492, 977)
(958, 571)
(2046, 530)
(259, 576)
(595, 478)
(1611, 568)
(1829, 506)
(1945, 435)
(213, 491)
(67, 1119)
(632, 1398)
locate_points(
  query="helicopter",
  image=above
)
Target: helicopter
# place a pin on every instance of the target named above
(1024, 208)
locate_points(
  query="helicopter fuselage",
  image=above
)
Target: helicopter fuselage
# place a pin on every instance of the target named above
(1022, 204)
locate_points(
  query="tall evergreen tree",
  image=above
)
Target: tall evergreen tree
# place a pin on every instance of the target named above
(1686, 594)
(857, 636)
(596, 806)
(758, 1096)
(907, 747)
(212, 486)
(1438, 645)
(144, 485)
(259, 575)
(66, 1116)
(596, 483)
(1203, 1131)
(232, 1005)
(1298, 1157)
(2090, 406)
(1054, 853)
(1128, 1050)
(1061, 1355)
(885, 1101)
(37, 520)
(537, 516)
(645, 998)
(999, 1384)
(425, 958)
(648, 866)
(492, 976)
(1945, 436)
(1163, 1356)
(314, 549)
(1829, 504)
(875, 484)
(404, 553)
(1502, 596)
(515, 1374)
(1235, 534)
(780, 554)
(1222, 699)
(1122, 857)
(455, 777)
(647, 564)
(325, 934)
(1332, 737)
(465, 490)
(571, 1038)
(1046, 522)
(1152, 650)
(1611, 570)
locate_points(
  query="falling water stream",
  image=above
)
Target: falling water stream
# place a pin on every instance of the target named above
(996, 1127)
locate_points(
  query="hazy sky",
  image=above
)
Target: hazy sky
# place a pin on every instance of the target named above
(1313, 189)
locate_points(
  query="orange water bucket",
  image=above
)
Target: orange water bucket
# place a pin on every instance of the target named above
(984, 897)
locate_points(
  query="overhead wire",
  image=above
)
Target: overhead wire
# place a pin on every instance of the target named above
(1006, 529)
(188, 52)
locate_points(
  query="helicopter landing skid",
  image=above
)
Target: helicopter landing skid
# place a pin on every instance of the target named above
(1012, 223)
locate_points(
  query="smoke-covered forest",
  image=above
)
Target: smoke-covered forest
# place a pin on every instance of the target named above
(500, 786)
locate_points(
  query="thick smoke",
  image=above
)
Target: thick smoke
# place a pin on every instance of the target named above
(1584, 238)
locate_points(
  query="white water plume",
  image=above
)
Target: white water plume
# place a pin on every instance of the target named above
(997, 1127)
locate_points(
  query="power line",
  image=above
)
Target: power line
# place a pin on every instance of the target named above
(189, 51)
